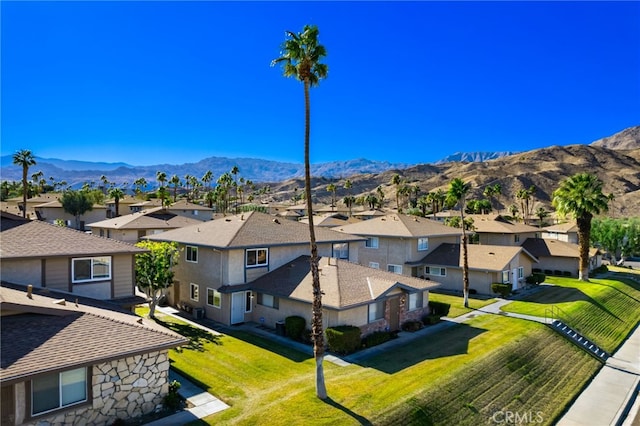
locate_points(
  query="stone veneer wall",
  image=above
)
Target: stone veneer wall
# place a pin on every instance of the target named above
(383, 323)
(122, 389)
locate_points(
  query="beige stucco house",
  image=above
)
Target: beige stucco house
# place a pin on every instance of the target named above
(353, 294)
(493, 229)
(557, 257)
(487, 264)
(53, 210)
(64, 259)
(395, 242)
(69, 360)
(235, 250)
(567, 232)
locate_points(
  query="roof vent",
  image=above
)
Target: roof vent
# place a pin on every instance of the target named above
(276, 221)
(29, 291)
(492, 253)
(60, 302)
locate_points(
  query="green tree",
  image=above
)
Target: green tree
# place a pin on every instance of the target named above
(76, 203)
(395, 180)
(117, 194)
(25, 159)
(175, 181)
(457, 194)
(332, 189)
(162, 193)
(154, 270)
(541, 214)
(301, 56)
(581, 196)
(139, 185)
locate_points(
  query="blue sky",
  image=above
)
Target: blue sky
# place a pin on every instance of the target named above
(409, 82)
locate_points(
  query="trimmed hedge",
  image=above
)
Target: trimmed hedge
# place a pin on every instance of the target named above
(343, 339)
(439, 308)
(536, 278)
(430, 319)
(294, 325)
(376, 338)
(502, 289)
(411, 326)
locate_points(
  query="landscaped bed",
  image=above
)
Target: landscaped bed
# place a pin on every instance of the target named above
(457, 303)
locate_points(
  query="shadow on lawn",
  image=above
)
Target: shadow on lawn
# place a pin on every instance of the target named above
(360, 419)
(447, 342)
(197, 336)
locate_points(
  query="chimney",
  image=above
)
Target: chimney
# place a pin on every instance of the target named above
(30, 291)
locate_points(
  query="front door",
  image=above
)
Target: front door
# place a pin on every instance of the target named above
(394, 314)
(8, 406)
(237, 307)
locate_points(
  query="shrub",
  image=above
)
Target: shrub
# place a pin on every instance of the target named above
(412, 326)
(294, 325)
(343, 339)
(534, 270)
(473, 291)
(172, 399)
(535, 278)
(430, 319)
(439, 308)
(376, 338)
(502, 289)
(548, 272)
(557, 272)
(566, 273)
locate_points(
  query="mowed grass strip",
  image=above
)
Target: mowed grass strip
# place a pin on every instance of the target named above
(460, 369)
(457, 303)
(605, 309)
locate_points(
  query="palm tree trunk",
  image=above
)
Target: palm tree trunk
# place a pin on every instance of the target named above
(316, 321)
(465, 261)
(25, 191)
(584, 234)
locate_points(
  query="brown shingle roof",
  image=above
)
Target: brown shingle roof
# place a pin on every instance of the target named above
(40, 239)
(496, 224)
(399, 225)
(156, 218)
(248, 230)
(563, 228)
(481, 257)
(46, 336)
(545, 248)
(343, 283)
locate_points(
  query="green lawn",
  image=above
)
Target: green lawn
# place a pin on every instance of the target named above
(460, 375)
(604, 310)
(457, 303)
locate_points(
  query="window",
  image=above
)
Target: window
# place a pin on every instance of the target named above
(375, 265)
(194, 292)
(214, 298)
(521, 272)
(58, 390)
(257, 257)
(423, 244)
(340, 250)
(516, 238)
(248, 298)
(91, 269)
(372, 242)
(268, 300)
(505, 277)
(415, 301)
(192, 254)
(396, 269)
(376, 311)
(434, 270)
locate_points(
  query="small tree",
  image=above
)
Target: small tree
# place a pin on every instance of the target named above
(154, 270)
(76, 203)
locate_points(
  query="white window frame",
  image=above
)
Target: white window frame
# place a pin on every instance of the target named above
(61, 394)
(505, 277)
(394, 268)
(372, 242)
(340, 250)
(520, 272)
(93, 277)
(194, 292)
(375, 311)
(270, 302)
(191, 254)
(257, 251)
(423, 244)
(429, 270)
(415, 301)
(374, 265)
(516, 238)
(215, 294)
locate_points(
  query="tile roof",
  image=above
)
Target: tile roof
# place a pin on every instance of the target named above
(248, 230)
(480, 257)
(46, 336)
(344, 284)
(399, 225)
(35, 238)
(496, 224)
(155, 218)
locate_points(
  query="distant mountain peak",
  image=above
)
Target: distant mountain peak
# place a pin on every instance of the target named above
(475, 157)
(629, 138)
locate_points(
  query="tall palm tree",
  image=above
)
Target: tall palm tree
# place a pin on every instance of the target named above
(117, 194)
(175, 181)
(332, 189)
(581, 196)
(162, 178)
(395, 180)
(457, 193)
(25, 159)
(301, 56)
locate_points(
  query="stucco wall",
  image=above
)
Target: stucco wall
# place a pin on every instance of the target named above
(22, 271)
(122, 389)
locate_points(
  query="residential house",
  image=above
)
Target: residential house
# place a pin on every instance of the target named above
(78, 361)
(353, 294)
(132, 227)
(191, 210)
(493, 229)
(330, 220)
(487, 264)
(219, 257)
(52, 211)
(567, 232)
(557, 257)
(395, 242)
(14, 205)
(368, 214)
(124, 206)
(64, 259)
